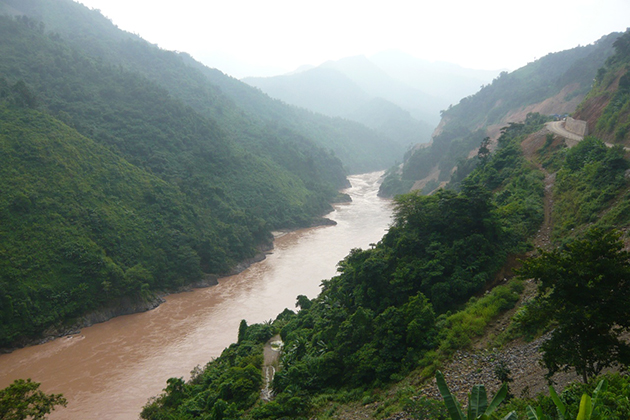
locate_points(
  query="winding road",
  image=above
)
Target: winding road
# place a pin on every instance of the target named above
(557, 127)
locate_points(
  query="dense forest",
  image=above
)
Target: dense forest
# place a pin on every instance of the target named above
(142, 169)
(407, 304)
(247, 116)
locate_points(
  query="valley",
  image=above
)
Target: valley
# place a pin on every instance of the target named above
(356, 256)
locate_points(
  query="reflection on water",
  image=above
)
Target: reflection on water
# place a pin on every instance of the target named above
(109, 370)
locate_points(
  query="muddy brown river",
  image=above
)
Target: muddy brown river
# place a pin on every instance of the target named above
(109, 370)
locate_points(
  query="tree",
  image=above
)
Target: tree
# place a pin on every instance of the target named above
(23, 399)
(484, 149)
(585, 290)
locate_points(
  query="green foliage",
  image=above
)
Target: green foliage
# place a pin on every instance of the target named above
(478, 407)
(227, 386)
(519, 198)
(448, 148)
(614, 122)
(113, 187)
(23, 399)
(80, 227)
(584, 290)
(393, 184)
(457, 330)
(422, 408)
(589, 179)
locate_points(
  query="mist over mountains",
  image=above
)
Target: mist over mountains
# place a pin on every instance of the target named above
(392, 92)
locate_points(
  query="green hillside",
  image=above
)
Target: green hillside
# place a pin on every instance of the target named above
(81, 226)
(329, 91)
(607, 106)
(222, 196)
(249, 117)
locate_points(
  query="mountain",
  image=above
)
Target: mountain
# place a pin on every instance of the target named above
(377, 83)
(554, 84)
(444, 81)
(352, 91)
(323, 90)
(208, 91)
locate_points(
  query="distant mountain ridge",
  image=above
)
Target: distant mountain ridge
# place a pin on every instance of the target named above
(445, 81)
(358, 88)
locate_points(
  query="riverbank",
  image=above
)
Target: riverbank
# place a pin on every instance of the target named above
(132, 305)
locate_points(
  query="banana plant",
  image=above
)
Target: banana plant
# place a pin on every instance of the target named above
(478, 407)
(589, 409)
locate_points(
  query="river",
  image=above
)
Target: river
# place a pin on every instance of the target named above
(109, 370)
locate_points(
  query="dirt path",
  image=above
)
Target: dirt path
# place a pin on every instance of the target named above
(271, 354)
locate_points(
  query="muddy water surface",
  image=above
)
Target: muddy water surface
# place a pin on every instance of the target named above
(109, 370)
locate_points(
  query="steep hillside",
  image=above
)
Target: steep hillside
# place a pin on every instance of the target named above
(82, 227)
(607, 106)
(554, 84)
(205, 90)
(198, 200)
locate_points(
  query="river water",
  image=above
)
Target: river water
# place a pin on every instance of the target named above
(109, 370)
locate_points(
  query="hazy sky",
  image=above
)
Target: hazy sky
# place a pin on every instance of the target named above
(284, 34)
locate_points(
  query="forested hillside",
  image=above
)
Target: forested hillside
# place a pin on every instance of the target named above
(86, 106)
(389, 309)
(554, 84)
(249, 117)
(607, 106)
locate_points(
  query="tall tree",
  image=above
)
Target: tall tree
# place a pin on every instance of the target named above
(585, 290)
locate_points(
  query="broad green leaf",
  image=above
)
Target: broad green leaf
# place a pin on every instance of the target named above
(449, 399)
(477, 402)
(586, 408)
(498, 399)
(601, 387)
(562, 409)
(531, 413)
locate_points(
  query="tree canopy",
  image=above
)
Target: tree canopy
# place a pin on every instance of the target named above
(23, 399)
(585, 290)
